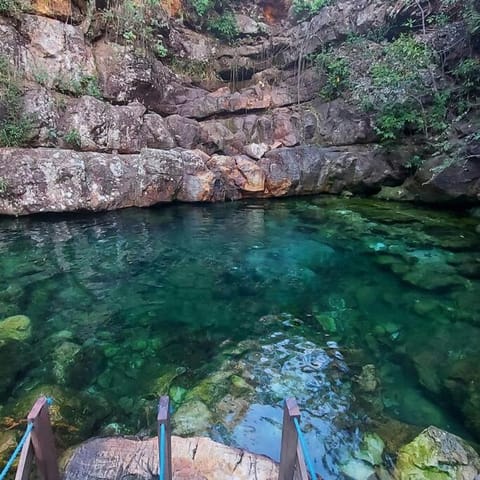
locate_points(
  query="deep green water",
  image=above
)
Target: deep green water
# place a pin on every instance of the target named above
(230, 308)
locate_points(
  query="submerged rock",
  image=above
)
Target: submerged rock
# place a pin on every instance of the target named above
(356, 469)
(76, 415)
(64, 358)
(367, 380)
(14, 351)
(437, 455)
(16, 328)
(371, 449)
(192, 418)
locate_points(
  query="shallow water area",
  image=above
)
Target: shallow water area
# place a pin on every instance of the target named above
(366, 312)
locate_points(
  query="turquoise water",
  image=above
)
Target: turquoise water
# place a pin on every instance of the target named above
(367, 313)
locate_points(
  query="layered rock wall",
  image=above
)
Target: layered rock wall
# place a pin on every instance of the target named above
(55, 180)
(95, 100)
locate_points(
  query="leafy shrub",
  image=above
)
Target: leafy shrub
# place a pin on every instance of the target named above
(398, 82)
(468, 73)
(15, 132)
(472, 18)
(201, 7)
(392, 120)
(10, 7)
(224, 26)
(337, 71)
(304, 9)
(3, 186)
(73, 138)
(159, 49)
(137, 23)
(15, 126)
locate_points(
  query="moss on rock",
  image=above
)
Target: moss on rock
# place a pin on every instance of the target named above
(437, 455)
(16, 328)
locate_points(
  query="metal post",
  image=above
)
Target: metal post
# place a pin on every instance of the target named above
(288, 454)
(43, 441)
(163, 418)
(26, 459)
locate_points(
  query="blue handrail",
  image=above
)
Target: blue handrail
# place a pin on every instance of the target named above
(161, 453)
(306, 454)
(17, 450)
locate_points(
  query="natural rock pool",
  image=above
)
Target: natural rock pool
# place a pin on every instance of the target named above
(367, 313)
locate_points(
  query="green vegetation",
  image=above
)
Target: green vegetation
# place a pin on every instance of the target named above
(467, 72)
(138, 24)
(15, 126)
(214, 16)
(202, 6)
(398, 82)
(10, 8)
(223, 26)
(337, 72)
(3, 186)
(159, 49)
(472, 18)
(404, 83)
(304, 9)
(395, 81)
(73, 138)
(83, 85)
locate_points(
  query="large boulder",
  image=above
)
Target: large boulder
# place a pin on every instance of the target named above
(437, 455)
(103, 127)
(192, 458)
(312, 169)
(56, 53)
(337, 123)
(323, 123)
(447, 179)
(47, 180)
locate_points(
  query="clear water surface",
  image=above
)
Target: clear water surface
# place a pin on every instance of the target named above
(367, 313)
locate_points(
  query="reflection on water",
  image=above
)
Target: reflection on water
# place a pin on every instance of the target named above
(366, 312)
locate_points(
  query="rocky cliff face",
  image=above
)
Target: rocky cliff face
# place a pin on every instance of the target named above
(114, 125)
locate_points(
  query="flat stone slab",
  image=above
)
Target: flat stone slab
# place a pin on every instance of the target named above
(197, 458)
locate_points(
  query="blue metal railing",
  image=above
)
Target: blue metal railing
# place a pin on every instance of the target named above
(17, 450)
(161, 454)
(306, 453)
(20, 445)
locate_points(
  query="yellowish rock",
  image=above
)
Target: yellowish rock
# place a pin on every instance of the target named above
(52, 8)
(17, 328)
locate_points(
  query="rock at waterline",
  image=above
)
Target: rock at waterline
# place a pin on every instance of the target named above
(437, 455)
(193, 417)
(193, 459)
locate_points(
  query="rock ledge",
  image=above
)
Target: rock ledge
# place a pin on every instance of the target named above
(197, 458)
